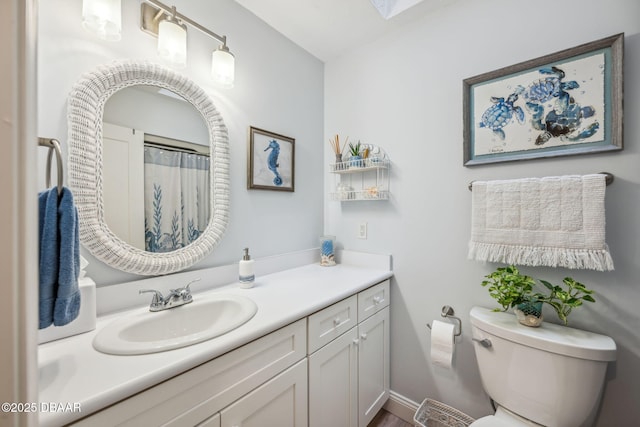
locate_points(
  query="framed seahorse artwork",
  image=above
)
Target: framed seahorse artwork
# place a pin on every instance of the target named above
(568, 102)
(271, 161)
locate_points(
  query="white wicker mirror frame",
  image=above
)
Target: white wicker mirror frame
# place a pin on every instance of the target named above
(85, 109)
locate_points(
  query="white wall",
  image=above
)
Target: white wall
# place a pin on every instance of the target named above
(279, 87)
(156, 114)
(404, 92)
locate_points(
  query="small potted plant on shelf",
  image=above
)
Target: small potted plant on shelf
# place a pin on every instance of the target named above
(355, 155)
(515, 290)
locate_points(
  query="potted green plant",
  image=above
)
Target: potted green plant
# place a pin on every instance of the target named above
(518, 291)
(354, 151)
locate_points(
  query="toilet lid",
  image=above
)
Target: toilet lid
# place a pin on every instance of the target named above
(493, 421)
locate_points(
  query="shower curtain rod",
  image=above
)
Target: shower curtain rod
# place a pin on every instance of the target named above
(176, 145)
(176, 149)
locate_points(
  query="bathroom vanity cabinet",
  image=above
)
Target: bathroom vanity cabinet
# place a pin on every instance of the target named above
(261, 368)
(294, 376)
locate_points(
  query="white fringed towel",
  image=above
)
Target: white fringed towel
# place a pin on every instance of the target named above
(556, 221)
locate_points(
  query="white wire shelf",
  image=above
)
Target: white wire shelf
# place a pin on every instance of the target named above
(359, 165)
(362, 179)
(352, 196)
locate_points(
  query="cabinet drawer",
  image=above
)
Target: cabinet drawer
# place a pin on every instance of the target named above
(328, 324)
(372, 300)
(195, 395)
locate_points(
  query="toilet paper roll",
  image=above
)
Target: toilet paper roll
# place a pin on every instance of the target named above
(442, 343)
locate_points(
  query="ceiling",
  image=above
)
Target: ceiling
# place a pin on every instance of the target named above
(329, 28)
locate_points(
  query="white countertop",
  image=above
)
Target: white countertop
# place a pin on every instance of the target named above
(72, 372)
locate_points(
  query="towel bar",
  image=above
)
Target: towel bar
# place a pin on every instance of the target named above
(608, 179)
(53, 145)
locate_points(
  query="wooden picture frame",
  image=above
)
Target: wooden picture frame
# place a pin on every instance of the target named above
(565, 103)
(271, 161)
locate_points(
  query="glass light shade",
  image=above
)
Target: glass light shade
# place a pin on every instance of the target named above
(103, 18)
(223, 67)
(172, 43)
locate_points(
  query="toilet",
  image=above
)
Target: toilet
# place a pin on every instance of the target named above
(549, 376)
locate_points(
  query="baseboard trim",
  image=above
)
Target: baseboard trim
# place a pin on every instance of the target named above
(401, 406)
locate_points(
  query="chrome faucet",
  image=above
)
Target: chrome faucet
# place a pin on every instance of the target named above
(175, 298)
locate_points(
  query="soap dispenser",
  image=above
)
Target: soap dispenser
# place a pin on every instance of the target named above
(245, 267)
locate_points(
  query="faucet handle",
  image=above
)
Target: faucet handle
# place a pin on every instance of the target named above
(185, 292)
(157, 296)
(187, 288)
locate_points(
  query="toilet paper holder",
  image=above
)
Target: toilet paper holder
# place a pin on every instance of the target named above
(447, 311)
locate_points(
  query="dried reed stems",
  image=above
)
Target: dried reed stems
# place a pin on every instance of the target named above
(336, 145)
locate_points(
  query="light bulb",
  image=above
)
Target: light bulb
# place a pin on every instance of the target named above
(172, 42)
(103, 18)
(223, 66)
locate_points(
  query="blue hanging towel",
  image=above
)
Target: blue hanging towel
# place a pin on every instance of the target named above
(59, 301)
(49, 256)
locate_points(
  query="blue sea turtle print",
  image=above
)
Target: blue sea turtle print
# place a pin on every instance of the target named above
(563, 122)
(272, 161)
(545, 89)
(501, 113)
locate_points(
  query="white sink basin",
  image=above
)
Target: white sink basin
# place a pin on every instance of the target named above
(201, 320)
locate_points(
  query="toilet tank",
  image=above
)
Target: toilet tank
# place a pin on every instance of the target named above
(552, 375)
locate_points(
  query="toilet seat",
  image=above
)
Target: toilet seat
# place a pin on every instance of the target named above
(503, 418)
(493, 421)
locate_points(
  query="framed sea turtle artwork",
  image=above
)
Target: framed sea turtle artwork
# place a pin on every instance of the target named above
(271, 161)
(565, 103)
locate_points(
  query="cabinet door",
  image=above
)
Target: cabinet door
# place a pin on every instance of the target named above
(281, 402)
(373, 365)
(333, 383)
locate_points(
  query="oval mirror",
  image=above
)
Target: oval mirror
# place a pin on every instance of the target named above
(87, 154)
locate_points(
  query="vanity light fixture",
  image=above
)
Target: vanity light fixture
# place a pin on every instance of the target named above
(172, 41)
(103, 18)
(223, 66)
(154, 16)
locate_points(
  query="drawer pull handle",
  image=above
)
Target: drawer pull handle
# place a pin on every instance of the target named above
(356, 342)
(336, 321)
(377, 300)
(363, 336)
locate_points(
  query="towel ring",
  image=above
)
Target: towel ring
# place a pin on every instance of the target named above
(54, 146)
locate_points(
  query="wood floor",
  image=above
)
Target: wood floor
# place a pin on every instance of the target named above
(387, 419)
